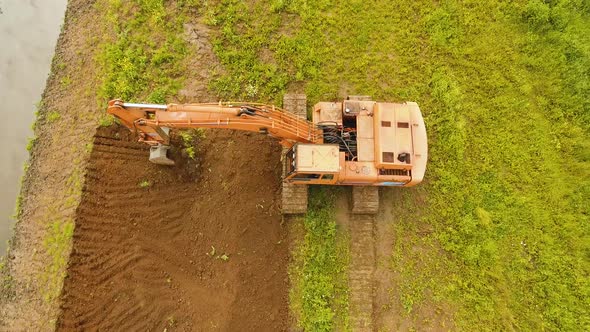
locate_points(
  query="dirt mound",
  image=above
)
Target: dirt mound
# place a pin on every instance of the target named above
(156, 248)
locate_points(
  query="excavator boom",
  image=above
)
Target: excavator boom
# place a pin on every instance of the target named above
(149, 119)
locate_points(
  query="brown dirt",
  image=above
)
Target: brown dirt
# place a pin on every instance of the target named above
(143, 257)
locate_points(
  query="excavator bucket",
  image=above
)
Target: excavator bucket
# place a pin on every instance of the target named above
(159, 155)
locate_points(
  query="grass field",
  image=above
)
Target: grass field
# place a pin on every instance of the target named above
(504, 88)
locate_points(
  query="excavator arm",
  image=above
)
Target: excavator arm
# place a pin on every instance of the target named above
(148, 120)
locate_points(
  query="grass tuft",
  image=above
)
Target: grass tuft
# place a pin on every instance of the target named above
(145, 59)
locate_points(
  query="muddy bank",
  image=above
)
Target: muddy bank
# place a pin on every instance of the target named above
(37, 258)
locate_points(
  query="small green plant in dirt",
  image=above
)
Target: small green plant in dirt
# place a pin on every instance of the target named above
(189, 138)
(31, 143)
(224, 257)
(171, 321)
(88, 147)
(144, 184)
(106, 120)
(66, 81)
(53, 116)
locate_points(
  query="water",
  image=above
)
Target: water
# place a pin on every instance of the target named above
(28, 33)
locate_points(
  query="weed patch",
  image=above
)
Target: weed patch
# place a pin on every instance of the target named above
(53, 116)
(56, 244)
(189, 139)
(144, 61)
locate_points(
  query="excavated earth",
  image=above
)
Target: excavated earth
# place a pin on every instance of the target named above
(200, 247)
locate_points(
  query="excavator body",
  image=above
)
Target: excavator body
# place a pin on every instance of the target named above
(364, 143)
(356, 142)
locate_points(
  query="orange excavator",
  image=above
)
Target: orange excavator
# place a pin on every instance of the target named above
(356, 142)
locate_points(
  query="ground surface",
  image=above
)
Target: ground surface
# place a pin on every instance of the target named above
(153, 258)
(496, 238)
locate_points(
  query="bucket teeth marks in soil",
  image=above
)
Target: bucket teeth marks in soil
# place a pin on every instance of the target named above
(140, 258)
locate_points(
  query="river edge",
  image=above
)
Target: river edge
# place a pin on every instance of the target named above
(34, 268)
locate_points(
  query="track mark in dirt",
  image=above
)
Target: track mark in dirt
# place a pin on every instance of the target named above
(362, 263)
(362, 269)
(385, 318)
(389, 313)
(151, 258)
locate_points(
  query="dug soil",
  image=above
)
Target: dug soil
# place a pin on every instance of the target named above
(198, 246)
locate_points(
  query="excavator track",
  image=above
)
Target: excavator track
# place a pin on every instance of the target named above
(365, 200)
(294, 196)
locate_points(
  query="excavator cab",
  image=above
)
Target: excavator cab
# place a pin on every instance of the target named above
(312, 164)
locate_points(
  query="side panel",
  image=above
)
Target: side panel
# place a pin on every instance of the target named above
(365, 173)
(327, 112)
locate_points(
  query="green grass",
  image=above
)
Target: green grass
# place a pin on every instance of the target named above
(53, 116)
(504, 89)
(106, 120)
(143, 57)
(31, 144)
(189, 138)
(57, 244)
(319, 293)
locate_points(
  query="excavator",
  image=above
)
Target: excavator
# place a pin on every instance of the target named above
(356, 142)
